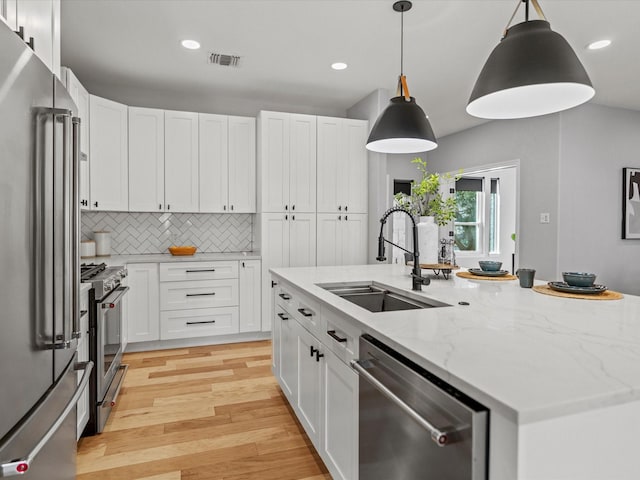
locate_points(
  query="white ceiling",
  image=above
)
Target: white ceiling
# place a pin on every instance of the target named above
(287, 46)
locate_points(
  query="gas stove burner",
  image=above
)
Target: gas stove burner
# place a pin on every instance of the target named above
(88, 271)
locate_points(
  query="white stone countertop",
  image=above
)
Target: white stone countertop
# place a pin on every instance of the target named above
(167, 257)
(533, 356)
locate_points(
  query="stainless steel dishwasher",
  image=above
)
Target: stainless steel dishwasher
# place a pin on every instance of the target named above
(413, 425)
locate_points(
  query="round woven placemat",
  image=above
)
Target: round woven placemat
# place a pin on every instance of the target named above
(471, 276)
(606, 295)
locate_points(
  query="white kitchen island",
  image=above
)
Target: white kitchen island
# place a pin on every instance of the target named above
(561, 377)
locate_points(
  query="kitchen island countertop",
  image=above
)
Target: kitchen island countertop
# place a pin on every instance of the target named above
(533, 356)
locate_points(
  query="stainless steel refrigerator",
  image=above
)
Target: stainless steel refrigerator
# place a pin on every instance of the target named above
(39, 264)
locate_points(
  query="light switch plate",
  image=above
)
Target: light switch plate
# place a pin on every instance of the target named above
(545, 218)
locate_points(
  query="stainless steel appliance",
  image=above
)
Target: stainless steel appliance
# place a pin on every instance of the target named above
(413, 425)
(105, 340)
(39, 219)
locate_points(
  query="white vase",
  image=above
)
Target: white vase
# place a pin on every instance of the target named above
(428, 240)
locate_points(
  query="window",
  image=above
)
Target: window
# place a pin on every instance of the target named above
(477, 230)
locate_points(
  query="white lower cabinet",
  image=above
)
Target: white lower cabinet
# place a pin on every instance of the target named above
(249, 286)
(198, 294)
(339, 445)
(143, 302)
(316, 378)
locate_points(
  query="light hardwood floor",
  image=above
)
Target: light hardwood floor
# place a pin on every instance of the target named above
(202, 413)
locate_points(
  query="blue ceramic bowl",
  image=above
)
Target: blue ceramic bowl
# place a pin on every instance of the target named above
(579, 279)
(489, 265)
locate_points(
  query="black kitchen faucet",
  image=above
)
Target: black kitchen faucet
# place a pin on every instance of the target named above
(417, 279)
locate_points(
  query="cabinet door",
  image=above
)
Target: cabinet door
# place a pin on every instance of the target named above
(275, 253)
(9, 13)
(339, 445)
(329, 251)
(309, 382)
(353, 239)
(109, 172)
(242, 164)
(330, 157)
(144, 302)
(288, 354)
(353, 186)
(274, 161)
(146, 160)
(214, 183)
(250, 306)
(36, 16)
(181, 161)
(302, 240)
(302, 164)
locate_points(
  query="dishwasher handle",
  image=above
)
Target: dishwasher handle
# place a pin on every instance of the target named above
(440, 437)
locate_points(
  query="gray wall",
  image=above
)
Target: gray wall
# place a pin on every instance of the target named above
(570, 166)
(597, 142)
(536, 143)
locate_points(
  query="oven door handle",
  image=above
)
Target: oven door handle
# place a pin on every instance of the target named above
(116, 296)
(440, 437)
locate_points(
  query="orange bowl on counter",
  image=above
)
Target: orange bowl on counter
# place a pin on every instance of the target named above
(182, 250)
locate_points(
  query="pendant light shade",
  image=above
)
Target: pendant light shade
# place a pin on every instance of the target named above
(402, 127)
(532, 71)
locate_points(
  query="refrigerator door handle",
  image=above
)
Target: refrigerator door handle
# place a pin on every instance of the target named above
(75, 228)
(21, 466)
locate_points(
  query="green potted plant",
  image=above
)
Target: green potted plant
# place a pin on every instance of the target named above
(426, 201)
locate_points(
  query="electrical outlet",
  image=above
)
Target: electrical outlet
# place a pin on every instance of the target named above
(545, 218)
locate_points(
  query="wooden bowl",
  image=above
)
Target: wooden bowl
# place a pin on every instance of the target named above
(182, 250)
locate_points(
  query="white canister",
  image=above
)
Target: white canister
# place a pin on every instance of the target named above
(103, 243)
(87, 248)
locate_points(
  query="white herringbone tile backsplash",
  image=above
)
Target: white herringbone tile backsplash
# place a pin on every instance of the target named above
(135, 233)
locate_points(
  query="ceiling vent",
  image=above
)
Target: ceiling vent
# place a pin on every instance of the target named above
(224, 60)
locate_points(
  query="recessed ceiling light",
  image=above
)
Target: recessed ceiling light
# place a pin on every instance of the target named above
(599, 44)
(191, 44)
(339, 66)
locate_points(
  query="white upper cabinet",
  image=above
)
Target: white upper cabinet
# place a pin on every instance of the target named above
(342, 165)
(146, 159)
(80, 97)
(227, 164)
(181, 161)
(108, 153)
(242, 164)
(40, 20)
(9, 13)
(214, 183)
(287, 162)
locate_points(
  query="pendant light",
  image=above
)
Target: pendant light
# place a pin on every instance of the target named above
(403, 126)
(532, 71)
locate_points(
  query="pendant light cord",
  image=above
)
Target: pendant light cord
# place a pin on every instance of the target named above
(536, 5)
(402, 42)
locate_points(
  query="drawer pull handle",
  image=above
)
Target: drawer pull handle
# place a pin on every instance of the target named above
(304, 312)
(201, 323)
(284, 296)
(332, 334)
(283, 317)
(200, 294)
(201, 270)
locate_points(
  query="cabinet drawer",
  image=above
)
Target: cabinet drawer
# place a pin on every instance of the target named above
(186, 271)
(339, 335)
(285, 298)
(198, 294)
(201, 322)
(307, 313)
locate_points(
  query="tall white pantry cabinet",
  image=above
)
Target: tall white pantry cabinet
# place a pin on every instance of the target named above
(312, 174)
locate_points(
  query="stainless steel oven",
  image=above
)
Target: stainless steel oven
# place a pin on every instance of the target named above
(105, 335)
(413, 425)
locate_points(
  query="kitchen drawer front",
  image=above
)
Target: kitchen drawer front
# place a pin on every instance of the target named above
(285, 298)
(307, 313)
(201, 322)
(198, 294)
(339, 335)
(187, 271)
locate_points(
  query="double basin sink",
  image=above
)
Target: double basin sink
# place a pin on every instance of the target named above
(376, 297)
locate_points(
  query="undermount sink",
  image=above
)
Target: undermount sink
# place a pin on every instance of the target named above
(376, 297)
